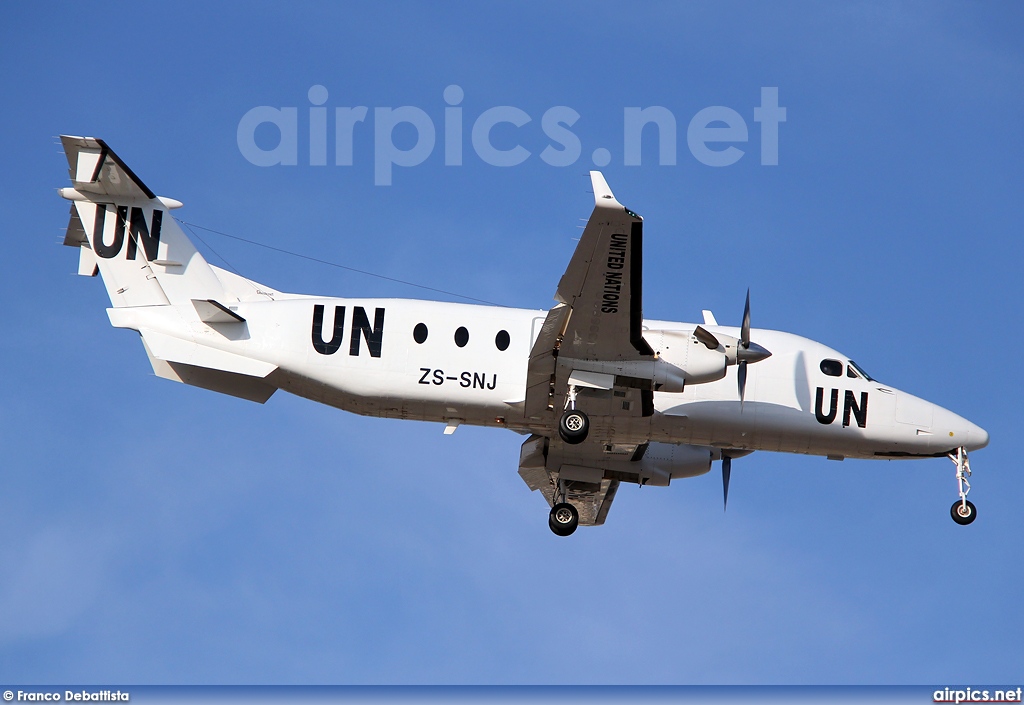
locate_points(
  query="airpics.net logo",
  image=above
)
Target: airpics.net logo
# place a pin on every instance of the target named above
(716, 136)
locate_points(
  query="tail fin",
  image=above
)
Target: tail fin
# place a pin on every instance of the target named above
(125, 234)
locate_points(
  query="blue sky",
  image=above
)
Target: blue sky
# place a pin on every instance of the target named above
(157, 533)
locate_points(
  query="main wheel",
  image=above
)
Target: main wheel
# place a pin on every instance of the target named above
(573, 426)
(962, 517)
(563, 519)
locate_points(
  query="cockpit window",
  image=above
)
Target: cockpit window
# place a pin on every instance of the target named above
(861, 372)
(851, 373)
(833, 368)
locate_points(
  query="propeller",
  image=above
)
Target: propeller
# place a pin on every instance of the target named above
(726, 474)
(746, 351)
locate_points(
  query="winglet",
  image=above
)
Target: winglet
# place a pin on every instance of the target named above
(603, 196)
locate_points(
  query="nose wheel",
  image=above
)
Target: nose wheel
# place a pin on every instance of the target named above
(963, 511)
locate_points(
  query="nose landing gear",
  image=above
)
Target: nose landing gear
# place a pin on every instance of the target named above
(962, 511)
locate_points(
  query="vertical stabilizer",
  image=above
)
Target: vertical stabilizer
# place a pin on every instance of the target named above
(127, 235)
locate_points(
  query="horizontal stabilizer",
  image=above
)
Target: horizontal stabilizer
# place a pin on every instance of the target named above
(95, 169)
(75, 235)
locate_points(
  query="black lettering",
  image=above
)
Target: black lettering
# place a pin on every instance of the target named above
(139, 232)
(361, 326)
(818, 401)
(494, 382)
(465, 380)
(617, 250)
(322, 347)
(111, 250)
(438, 377)
(609, 309)
(423, 378)
(859, 412)
(478, 379)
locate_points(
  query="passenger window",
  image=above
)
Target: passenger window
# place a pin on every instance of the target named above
(833, 368)
(502, 340)
(419, 333)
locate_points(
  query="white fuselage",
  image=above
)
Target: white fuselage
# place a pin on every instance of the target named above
(377, 363)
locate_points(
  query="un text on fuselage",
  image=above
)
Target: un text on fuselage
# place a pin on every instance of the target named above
(851, 407)
(360, 330)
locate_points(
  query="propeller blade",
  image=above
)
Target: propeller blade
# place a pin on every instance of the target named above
(741, 378)
(745, 329)
(726, 474)
(707, 337)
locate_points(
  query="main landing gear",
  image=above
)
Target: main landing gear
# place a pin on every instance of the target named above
(573, 428)
(962, 511)
(574, 424)
(563, 519)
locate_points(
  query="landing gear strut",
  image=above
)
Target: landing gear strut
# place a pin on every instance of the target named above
(574, 424)
(962, 511)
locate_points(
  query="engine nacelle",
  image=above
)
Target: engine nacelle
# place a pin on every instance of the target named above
(682, 360)
(662, 463)
(683, 351)
(665, 376)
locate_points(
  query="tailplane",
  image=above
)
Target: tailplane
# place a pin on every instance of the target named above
(158, 283)
(126, 235)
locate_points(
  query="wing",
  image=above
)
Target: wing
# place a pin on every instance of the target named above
(590, 492)
(593, 339)
(602, 285)
(599, 314)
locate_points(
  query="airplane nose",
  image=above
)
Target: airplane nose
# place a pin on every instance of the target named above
(977, 437)
(960, 431)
